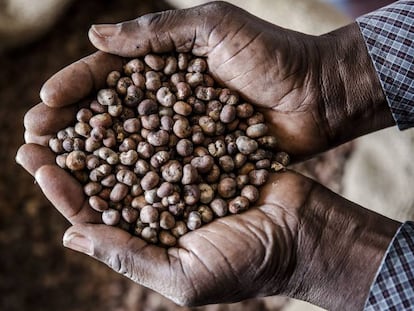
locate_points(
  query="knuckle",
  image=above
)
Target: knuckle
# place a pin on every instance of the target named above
(152, 19)
(121, 265)
(218, 6)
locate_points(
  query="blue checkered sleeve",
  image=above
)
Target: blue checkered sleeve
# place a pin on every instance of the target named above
(393, 287)
(389, 34)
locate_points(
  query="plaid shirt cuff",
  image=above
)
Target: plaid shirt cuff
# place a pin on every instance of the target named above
(393, 288)
(389, 35)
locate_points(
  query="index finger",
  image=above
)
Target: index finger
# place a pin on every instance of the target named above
(78, 80)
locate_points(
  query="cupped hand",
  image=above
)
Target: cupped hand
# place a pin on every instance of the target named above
(311, 90)
(301, 240)
(276, 69)
(315, 91)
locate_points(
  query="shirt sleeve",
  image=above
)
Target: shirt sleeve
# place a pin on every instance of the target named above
(393, 287)
(389, 35)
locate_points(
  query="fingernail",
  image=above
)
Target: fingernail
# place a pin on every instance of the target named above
(78, 242)
(103, 31)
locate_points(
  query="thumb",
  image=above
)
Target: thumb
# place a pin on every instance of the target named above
(127, 255)
(173, 30)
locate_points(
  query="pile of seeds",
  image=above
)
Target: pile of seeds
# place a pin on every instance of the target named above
(163, 149)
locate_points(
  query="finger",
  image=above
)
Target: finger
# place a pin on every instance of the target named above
(66, 194)
(79, 79)
(31, 138)
(179, 30)
(32, 156)
(143, 263)
(44, 120)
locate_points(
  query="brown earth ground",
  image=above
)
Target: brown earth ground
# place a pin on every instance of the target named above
(36, 272)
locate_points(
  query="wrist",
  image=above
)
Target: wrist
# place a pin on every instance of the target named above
(354, 101)
(339, 252)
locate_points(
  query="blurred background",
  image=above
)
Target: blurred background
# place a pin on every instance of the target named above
(37, 38)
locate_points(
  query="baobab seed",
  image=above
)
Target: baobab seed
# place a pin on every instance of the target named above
(227, 188)
(182, 128)
(191, 194)
(92, 188)
(128, 158)
(179, 229)
(84, 115)
(238, 205)
(149, 214)
(111, 217)
(184, 147)
(263, 164)
(112, 78)
(138, 202)
(228, 114)
(159, 159)
(147, 107)
(165, 189)
(219, 207)
(123, 84)
(166, 238)
(109, 181)
(194, 220)
(206, 193)
(171, 65)
(76, 160)
(126, 177)
(83, 129)
(129, 214)
(132, 125)
(101, 120)
(174, 198)
(246, 145)
(98, 204)
(138, 79)
(244, 110)
(118, 192)
(182, 108)
(206, 214)
(55, 144)
(172, 171)
(283, 158)
(251, 193)
(190, 175)
(167, 220)
(256, 118)
(107, 97)
(257, 130)
(155, 62)
(150, 180)
(133, 66)
(136, 190)
(158, 138)
(149, 235)
(61, 160)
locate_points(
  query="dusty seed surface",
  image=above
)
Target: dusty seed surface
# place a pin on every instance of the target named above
(37, 273)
